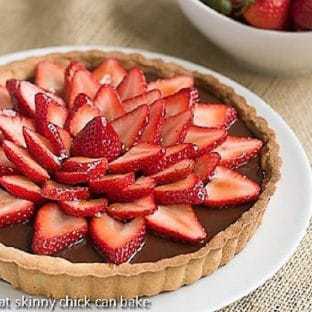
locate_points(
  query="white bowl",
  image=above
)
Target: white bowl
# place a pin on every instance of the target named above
(275, 52)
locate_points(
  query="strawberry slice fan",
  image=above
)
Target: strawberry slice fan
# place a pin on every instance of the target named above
(109, 155)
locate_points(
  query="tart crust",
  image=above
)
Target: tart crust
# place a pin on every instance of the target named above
(57, 277)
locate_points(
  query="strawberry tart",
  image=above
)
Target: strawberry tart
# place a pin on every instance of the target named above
(125, 176)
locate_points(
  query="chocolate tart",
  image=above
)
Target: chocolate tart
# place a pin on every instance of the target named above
(160, 265)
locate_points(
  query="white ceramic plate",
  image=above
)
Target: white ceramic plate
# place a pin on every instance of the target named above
(284, 224)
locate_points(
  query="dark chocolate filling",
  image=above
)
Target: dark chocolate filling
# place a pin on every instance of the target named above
(154, 247)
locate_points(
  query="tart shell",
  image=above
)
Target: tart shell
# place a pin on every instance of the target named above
(57, 277)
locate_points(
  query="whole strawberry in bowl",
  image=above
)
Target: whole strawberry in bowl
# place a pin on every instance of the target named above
(258, 33)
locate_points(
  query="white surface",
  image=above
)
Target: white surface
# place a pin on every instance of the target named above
(275, 241)
(273, 51)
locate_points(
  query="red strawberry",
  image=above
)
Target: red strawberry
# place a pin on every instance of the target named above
(11, 125)
(205, 166)
(71, 177)
(5, 99)
(50, 76)
(213, 115)
(181, 101)
(172, 85)
(70, 71)
(95, 167)
(117, 241)
(21, 187)
(59, 139)
(172, 155)
(190, 190)
(228, 187)
(83, 111)
(24, 163)
(174, 173)
(301, 12)
(109, 72)
(139, 208)
(178, 222)
(82, 82)
(237, 151)
(14, 210)
(132, 85)
(23, 94)
(146, 98)
(138, 157)
(47, 110)
(175, 128)
(206, 139)
(6, 166)
(40, 149)
(151, 133)
(268, 14)
(55, 191)
(55, 231)
(142, 187)
(111, 183)
(108, 102)
(97, 139)
(130, 127)
(84, 208)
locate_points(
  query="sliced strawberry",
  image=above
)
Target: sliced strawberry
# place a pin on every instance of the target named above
(55, 191)
(6, 166)
(146, 98)
(174, 173)
(172, 155)
(24, 163)
(59, 139)
(39, 148)
(21, 187)
(84, 208)
(205, 165)
(151, 133)
(23, 94)
(138, 157)
(172, 85)
(71, 177)
(11, 125)
(5, 99)
(236, 151)
(139, 208)
(130, 127)
(181, 101)
(109, 72)
(48, 110)
(117, 241)
(213, 115)
(178, 222)
(97, 139)
(95, 167)
(50, 77)
(14, 210)
(228, 187)
(206, 139)
(132, 85)
(175, 128)
(190, 190)
(82, 82)
(108, 102)
(83, 112)
(142, 187)
(55, 231)
(111, 183)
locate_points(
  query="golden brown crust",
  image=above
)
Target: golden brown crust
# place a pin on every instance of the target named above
(56, 277)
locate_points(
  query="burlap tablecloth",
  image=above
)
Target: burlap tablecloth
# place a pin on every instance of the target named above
(159, 26)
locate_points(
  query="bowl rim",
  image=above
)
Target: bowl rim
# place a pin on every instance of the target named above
(245, 27)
